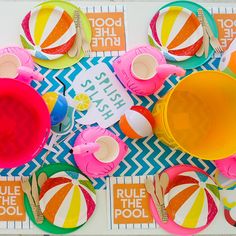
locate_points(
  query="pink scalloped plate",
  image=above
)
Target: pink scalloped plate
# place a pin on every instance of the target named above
(170, 226)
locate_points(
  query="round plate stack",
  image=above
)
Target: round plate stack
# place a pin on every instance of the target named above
(177, 32)
(66, 200)
(48, 33)
(192, 199)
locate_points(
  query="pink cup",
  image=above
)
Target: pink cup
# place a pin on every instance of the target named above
(24, 123)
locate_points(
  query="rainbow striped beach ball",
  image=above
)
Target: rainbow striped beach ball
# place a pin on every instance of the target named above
(177, 32)
(137, 122)
(192, 199)
(48, 32)
(57, 106)
(67, 199)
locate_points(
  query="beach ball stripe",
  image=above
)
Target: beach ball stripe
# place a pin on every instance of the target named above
(154, 28)
(127, 128)
(177, 32)
(48, 32)
(137, 122)
(67, 199)
(57, 106)
(192, 200)
(131, 116)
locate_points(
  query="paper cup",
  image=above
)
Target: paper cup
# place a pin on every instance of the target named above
(144, 66)
(8, 66)
(108, 151)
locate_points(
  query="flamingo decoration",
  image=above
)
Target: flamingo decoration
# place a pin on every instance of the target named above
(16, 63)
(85, 146)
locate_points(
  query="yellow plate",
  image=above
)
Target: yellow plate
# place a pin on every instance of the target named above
(66, 61)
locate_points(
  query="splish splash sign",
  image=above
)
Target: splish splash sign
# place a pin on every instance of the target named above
(109, 98)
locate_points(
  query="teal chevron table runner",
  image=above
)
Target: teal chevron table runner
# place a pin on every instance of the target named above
(145, 157)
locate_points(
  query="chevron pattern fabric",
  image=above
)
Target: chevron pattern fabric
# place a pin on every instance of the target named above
(146, 156)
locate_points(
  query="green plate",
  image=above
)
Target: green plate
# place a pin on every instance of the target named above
(46, 225)
(66, 61)
(194, 61)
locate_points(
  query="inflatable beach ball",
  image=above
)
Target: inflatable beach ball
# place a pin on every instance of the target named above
(57, 106)
(48, 32)
(177, 32)
(192, 199)
(67, 199)
(137, 122)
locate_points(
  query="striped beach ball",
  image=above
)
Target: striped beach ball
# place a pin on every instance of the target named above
(137, 122)
(57, 106)
(177, 32)
(67, 199)
(192, 199)
(48, 32)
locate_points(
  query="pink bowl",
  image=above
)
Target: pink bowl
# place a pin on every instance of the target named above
(24, 123)
(227, 166)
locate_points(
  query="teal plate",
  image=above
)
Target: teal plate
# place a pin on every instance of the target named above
(194, 61)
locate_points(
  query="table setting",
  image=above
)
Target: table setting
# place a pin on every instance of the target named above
(140, 140)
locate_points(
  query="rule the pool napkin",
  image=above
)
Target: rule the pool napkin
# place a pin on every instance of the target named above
(128, 204)
(12, 211)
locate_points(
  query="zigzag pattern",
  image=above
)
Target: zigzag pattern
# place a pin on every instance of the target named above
(145, 157)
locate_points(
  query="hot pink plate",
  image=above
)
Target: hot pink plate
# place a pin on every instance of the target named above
(24, 123)
(171, 226)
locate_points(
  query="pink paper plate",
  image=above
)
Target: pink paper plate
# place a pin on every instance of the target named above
(170, 226)
(24, 123)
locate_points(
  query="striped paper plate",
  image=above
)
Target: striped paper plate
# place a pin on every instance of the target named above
(67, 199)
(48, 32)
(192, 199)
(177, 32)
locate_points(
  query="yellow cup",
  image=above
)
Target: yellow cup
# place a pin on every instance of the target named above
(198, 115)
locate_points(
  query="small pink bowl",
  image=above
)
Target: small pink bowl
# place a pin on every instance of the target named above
(24, 123)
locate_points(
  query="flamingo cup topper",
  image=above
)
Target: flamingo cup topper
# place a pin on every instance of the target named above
(16, 63)
(105, 149)
(87, 148)
(97, 151)
(143, 70)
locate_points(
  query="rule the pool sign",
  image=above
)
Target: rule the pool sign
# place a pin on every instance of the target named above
(131, 204)
(108, 31)
(128, 203)
(11, 201)
(226, 24)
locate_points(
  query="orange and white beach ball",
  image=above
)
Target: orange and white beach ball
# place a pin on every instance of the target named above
(137, 122)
